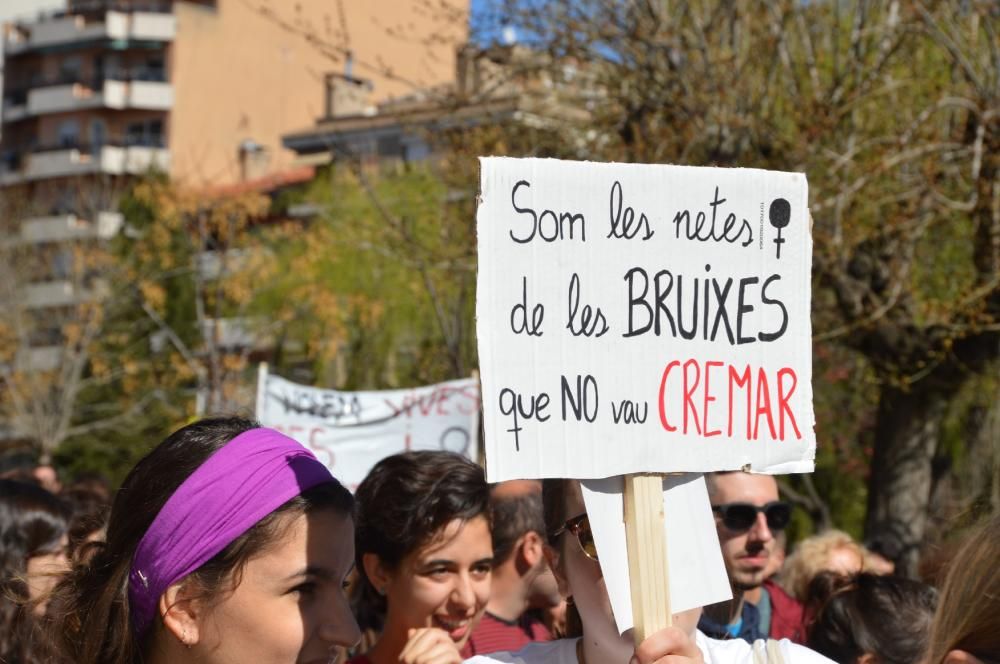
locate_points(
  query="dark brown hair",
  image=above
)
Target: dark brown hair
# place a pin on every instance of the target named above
(92, 605)
(406, 500)
(884, 616)
(554, 509)
(968, 612)
(89, 515)
(32, 523)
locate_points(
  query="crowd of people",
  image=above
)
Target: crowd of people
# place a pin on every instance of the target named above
(230, 542)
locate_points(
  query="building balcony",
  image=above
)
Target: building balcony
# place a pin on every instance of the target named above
(77, 159)
(68, 227)
(94, 23)
(15, 106)
(214, 265)
(59, 293)
(137, 89)
(236, 333)
(39, 358)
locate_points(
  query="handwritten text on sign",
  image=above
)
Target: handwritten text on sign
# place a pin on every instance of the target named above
(637, 318)
(351, 431)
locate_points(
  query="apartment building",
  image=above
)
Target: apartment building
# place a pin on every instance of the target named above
(201, 90)
(495, 85)
(192, 87)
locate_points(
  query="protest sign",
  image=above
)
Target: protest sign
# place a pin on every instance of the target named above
(642, 318)
(637, 319)
(691, 542)
(351, 431)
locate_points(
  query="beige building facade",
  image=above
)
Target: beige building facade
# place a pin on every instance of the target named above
(202, 90)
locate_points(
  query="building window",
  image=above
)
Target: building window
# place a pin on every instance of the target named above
(147, 133)
(65, 201)
(69, 69)
(69, 134)
(154, 69)
(416, 150)
(98, 133)
(390, 146)
(134, 133)
(62, 264)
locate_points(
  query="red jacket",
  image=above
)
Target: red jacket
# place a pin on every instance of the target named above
(786, 615)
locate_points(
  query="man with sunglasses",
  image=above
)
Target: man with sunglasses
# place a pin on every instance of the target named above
(748, 516)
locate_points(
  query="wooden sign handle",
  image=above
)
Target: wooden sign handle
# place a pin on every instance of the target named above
(647, 554)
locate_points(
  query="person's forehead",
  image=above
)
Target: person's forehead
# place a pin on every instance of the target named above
(744, 487)
(458, 537)
(323, 540)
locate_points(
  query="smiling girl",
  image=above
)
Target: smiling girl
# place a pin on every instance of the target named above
(227, 543)
(424, 545)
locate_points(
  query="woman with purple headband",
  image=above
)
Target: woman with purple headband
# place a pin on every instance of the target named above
(227, 543)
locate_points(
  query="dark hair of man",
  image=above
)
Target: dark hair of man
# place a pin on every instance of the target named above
(885, 616)
(91, 606)
(32, 523)
(405, 502)
(514, 517)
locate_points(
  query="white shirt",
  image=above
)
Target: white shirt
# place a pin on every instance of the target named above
(735, 651)
(560, 651)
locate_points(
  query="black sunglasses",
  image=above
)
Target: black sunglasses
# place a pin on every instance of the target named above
(579, 526)
(742, 516)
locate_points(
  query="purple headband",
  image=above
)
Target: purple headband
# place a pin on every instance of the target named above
(251, 476)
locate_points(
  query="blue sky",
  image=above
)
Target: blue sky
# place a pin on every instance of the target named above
(484, 22)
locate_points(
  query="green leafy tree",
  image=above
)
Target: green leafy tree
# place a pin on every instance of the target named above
(392, 254)
(891, 109)
(197, 303)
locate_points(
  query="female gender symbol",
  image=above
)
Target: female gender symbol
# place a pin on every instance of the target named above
(779, 215)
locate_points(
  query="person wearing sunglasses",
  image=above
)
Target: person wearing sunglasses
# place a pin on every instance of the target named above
(593, 636)
(748, 517)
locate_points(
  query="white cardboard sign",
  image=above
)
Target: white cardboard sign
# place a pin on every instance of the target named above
(352, 431)
(643, 318)
(697, 572)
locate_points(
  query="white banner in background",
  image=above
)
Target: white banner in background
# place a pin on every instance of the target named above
(351, 431)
